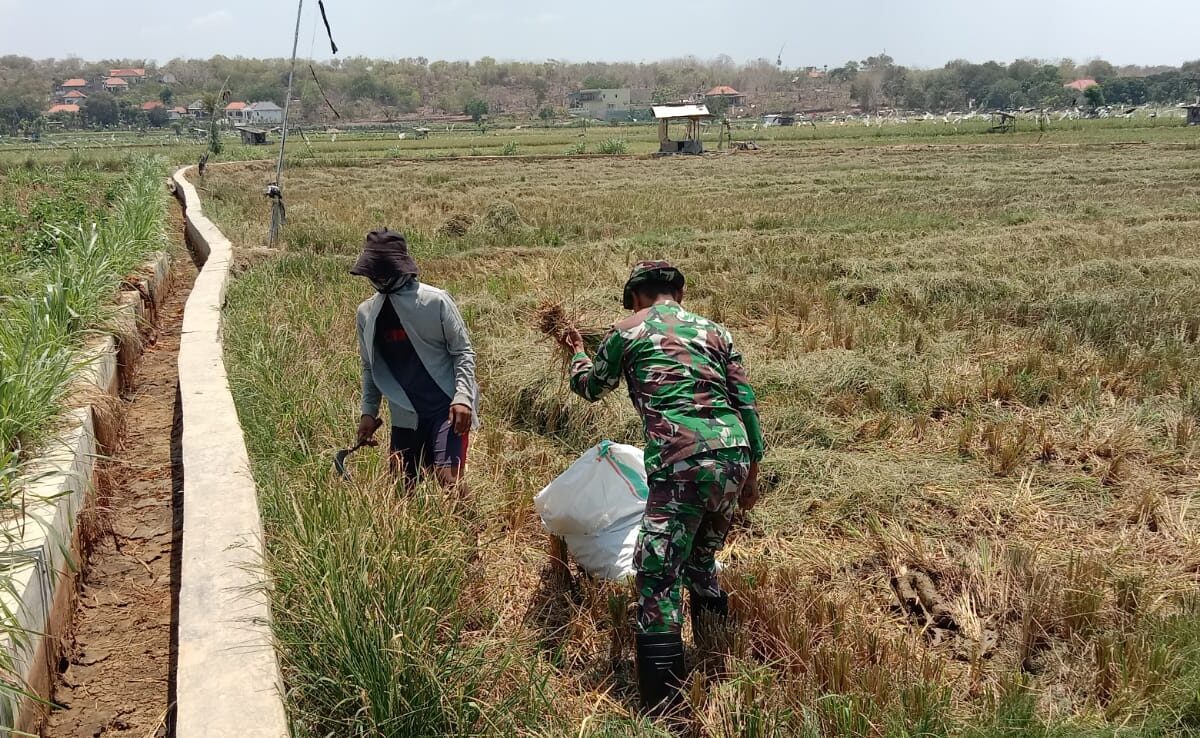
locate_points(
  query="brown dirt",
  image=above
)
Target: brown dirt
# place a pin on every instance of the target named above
(114, 674)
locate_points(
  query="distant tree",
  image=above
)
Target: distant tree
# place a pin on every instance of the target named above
(894, 84)
(476, 108)
(16, 111)
(1126, 90)
(546, 113)
(1003, 94)
(212, 106)
(1099, 70)
(166, 96)
(1022, 69)
(1094, 96)
(601, 82)
(101, 109)
(875, 63)
(129, 114)
(845, 73)
(718, 106)
(938, 90)
(157, 117)
(865, 92)
(541, 89)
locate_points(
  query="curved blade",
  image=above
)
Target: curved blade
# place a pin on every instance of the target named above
(339, 463)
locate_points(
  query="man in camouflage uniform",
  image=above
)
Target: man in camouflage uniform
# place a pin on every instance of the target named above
(703, 445)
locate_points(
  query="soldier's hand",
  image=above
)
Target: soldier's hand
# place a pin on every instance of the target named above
(749, 495)
(571, 340)
(367, 425)
(460, 419)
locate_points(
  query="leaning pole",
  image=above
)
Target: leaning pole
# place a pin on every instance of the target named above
(275, 191)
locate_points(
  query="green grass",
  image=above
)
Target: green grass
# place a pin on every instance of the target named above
(69, 235)
(61, 273)
(977, 362)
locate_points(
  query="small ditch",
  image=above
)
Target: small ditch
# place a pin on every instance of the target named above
(114, 671)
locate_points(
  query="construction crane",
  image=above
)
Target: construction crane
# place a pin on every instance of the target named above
(779, 56)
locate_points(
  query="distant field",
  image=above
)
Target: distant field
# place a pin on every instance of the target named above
(979, 363)
(111, 148)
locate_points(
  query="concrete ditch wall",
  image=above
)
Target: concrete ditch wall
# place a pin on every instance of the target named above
(227, 680)
(41, 548)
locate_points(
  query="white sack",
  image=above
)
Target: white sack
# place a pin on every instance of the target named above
(596, 505)
(609, 553)
(606, 485)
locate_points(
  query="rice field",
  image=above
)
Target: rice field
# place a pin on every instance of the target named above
(979, 375)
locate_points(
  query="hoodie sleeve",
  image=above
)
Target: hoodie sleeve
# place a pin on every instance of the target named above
(458, 345)
(371, 396)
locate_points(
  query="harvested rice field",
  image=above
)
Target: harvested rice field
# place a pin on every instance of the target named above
(979, 374)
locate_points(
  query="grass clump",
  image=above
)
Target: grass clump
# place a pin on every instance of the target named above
(613, 147)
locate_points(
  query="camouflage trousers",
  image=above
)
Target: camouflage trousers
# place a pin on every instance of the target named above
(687, 518)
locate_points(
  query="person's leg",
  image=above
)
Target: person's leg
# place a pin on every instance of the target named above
(721, 485)
(404, 456)
(673, 512)
(449, 457)
(719, 482)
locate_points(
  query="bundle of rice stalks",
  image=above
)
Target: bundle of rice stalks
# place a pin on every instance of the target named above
(456, 226)
(503, 217)
(552, 320)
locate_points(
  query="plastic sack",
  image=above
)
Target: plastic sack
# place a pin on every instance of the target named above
(596, 505)
(609, 553)
(605, 485)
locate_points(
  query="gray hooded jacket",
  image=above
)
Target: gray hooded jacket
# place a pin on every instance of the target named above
(439, 337)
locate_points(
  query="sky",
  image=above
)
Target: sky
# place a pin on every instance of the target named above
(917, 33)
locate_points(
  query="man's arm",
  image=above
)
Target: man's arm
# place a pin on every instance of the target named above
(593, 380)
(458, 345)
(371, 396)
(741, 396)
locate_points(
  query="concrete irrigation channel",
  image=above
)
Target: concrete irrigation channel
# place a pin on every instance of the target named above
(137, 570)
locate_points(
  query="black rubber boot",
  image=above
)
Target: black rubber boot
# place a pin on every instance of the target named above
(708, 610)
(660, 671)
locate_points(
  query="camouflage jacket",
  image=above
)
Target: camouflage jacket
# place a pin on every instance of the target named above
(685, 379)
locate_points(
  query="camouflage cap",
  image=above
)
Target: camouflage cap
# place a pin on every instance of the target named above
(651, 271)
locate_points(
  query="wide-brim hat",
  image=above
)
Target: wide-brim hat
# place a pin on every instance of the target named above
(651, 271)
(384, 255)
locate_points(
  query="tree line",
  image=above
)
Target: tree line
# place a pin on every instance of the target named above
(360, 88)
(1025, 83)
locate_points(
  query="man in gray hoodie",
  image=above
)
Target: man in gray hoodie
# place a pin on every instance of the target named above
(415, 351)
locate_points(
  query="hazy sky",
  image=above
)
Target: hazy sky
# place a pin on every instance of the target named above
(918, 33)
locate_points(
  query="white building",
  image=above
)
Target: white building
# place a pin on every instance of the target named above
(266, 113)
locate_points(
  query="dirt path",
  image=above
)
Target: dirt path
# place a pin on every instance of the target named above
(114, 676)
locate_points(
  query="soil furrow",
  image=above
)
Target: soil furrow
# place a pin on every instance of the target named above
(114, 673)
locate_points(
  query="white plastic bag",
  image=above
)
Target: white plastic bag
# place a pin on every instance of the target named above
(605, 485)
(596, 505)
(609, 553)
